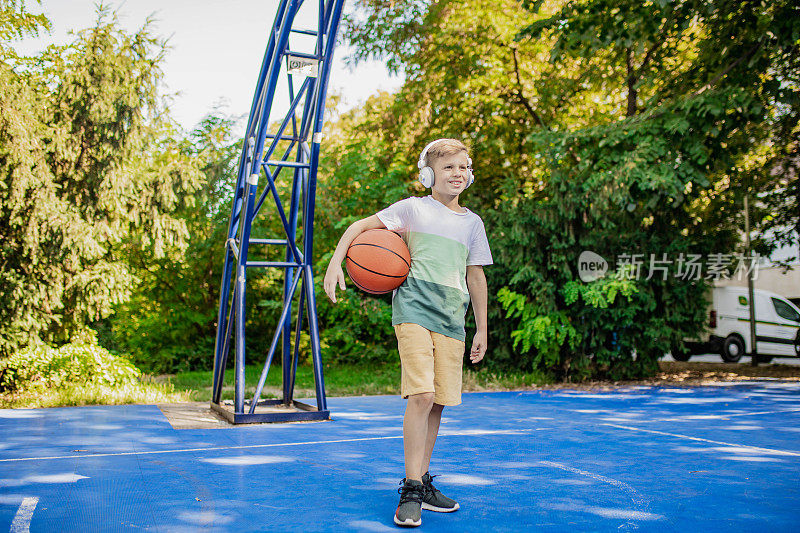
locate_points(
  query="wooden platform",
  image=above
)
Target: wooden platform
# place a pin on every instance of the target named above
(193, 415)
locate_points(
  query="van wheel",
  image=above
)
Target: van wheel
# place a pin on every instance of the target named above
(732, 349)
(797, 343)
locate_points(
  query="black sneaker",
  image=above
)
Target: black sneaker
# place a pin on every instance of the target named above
(434, 500)
(409, 513)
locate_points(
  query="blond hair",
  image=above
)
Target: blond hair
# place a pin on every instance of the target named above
(445, 147)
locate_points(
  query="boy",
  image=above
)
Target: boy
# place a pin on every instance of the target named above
(448, 248)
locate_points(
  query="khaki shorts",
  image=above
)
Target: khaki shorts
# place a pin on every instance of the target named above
(431, 362)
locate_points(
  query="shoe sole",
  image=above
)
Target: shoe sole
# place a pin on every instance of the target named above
(408, 523)
(429, 507)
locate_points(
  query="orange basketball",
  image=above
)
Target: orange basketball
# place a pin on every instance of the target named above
(378, 261)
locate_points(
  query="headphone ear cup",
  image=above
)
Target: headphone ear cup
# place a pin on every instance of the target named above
(470, 180)
(426, 177)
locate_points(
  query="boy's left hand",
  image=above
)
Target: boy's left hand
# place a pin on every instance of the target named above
(478, 347)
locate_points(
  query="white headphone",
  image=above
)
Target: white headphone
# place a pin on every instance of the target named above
(426, 175)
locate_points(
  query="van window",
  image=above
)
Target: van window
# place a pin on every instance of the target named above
(785, 311)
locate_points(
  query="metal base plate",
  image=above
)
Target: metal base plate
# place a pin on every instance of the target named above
(269, 411)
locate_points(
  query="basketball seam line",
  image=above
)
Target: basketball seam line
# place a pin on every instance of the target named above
(368, 290)
(383, 248)
(369, 270)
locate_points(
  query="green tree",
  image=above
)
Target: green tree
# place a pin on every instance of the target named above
(696, 77)
(169, 322)
(91, 173)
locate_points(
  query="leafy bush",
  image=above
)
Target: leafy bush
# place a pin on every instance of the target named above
(42, 367)
(590, 323)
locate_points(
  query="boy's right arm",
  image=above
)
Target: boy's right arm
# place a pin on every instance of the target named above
(334, 275)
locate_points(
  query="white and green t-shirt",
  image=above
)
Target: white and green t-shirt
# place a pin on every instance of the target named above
(442, 243)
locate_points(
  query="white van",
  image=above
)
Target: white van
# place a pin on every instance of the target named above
(728, 334)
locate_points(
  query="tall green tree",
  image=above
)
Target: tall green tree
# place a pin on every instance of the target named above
(169, 322)
(699, 101)
(741, 57)
(90, 173)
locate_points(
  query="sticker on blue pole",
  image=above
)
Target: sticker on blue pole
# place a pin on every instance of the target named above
(302, 65)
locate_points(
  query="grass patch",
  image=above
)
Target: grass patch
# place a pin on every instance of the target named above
(146, 391)
(341, 380)
(485, 381)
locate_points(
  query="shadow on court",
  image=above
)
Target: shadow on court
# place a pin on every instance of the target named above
(714, 458)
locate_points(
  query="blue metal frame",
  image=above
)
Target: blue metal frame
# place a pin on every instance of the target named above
(301, 157)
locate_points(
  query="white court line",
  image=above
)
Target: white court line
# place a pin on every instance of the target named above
(637, 498)
(22, 520)
(465, 433)
(725, 417)
(788, 410)
(770, 450)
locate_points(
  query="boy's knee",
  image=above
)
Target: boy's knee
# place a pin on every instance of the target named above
(422, 400)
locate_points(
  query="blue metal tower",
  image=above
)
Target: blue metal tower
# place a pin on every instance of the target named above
(278, 146)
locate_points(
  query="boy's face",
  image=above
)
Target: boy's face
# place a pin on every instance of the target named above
(451, 174)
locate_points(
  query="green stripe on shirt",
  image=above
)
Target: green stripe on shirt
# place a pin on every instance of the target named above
(438, 260)
(433, 306)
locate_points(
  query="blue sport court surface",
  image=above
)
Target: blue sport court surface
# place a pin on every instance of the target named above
(711, 458)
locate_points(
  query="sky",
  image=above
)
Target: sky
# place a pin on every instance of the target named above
(216, 49)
